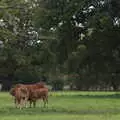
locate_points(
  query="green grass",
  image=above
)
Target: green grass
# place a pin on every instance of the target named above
(66, 106)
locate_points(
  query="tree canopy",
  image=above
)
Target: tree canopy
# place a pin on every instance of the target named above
(61, 37)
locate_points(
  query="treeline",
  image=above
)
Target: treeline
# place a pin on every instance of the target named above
(61, 42)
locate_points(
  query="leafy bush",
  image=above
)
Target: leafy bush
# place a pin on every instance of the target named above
(57, 84)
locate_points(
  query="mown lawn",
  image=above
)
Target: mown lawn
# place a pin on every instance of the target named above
(66, 106)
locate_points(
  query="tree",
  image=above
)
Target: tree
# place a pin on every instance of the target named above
(17, 37)
(87, 23)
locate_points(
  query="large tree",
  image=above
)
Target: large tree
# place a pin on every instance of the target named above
(18, 38)
(88, 35)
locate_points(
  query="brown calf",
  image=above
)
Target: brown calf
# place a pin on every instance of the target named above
(21, 95)
(37, 94)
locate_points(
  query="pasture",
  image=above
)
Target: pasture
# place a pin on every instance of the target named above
(66, 106)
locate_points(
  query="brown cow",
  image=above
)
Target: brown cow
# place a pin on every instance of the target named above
(30, 89)
(21, 95)
(37, 94)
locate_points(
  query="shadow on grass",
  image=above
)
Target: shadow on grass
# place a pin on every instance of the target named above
(53, 110)
(117, 95)
(101, 96)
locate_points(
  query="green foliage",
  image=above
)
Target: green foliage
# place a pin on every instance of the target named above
(69, 36)
(57, 84)
(26, 76)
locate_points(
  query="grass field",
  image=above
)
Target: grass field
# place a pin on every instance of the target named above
(66, 106)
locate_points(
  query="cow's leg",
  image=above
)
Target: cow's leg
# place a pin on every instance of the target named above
(34, 103)
(44, 100)
(15, 101)
(25, 102)
(20, 104)
(30, 103)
